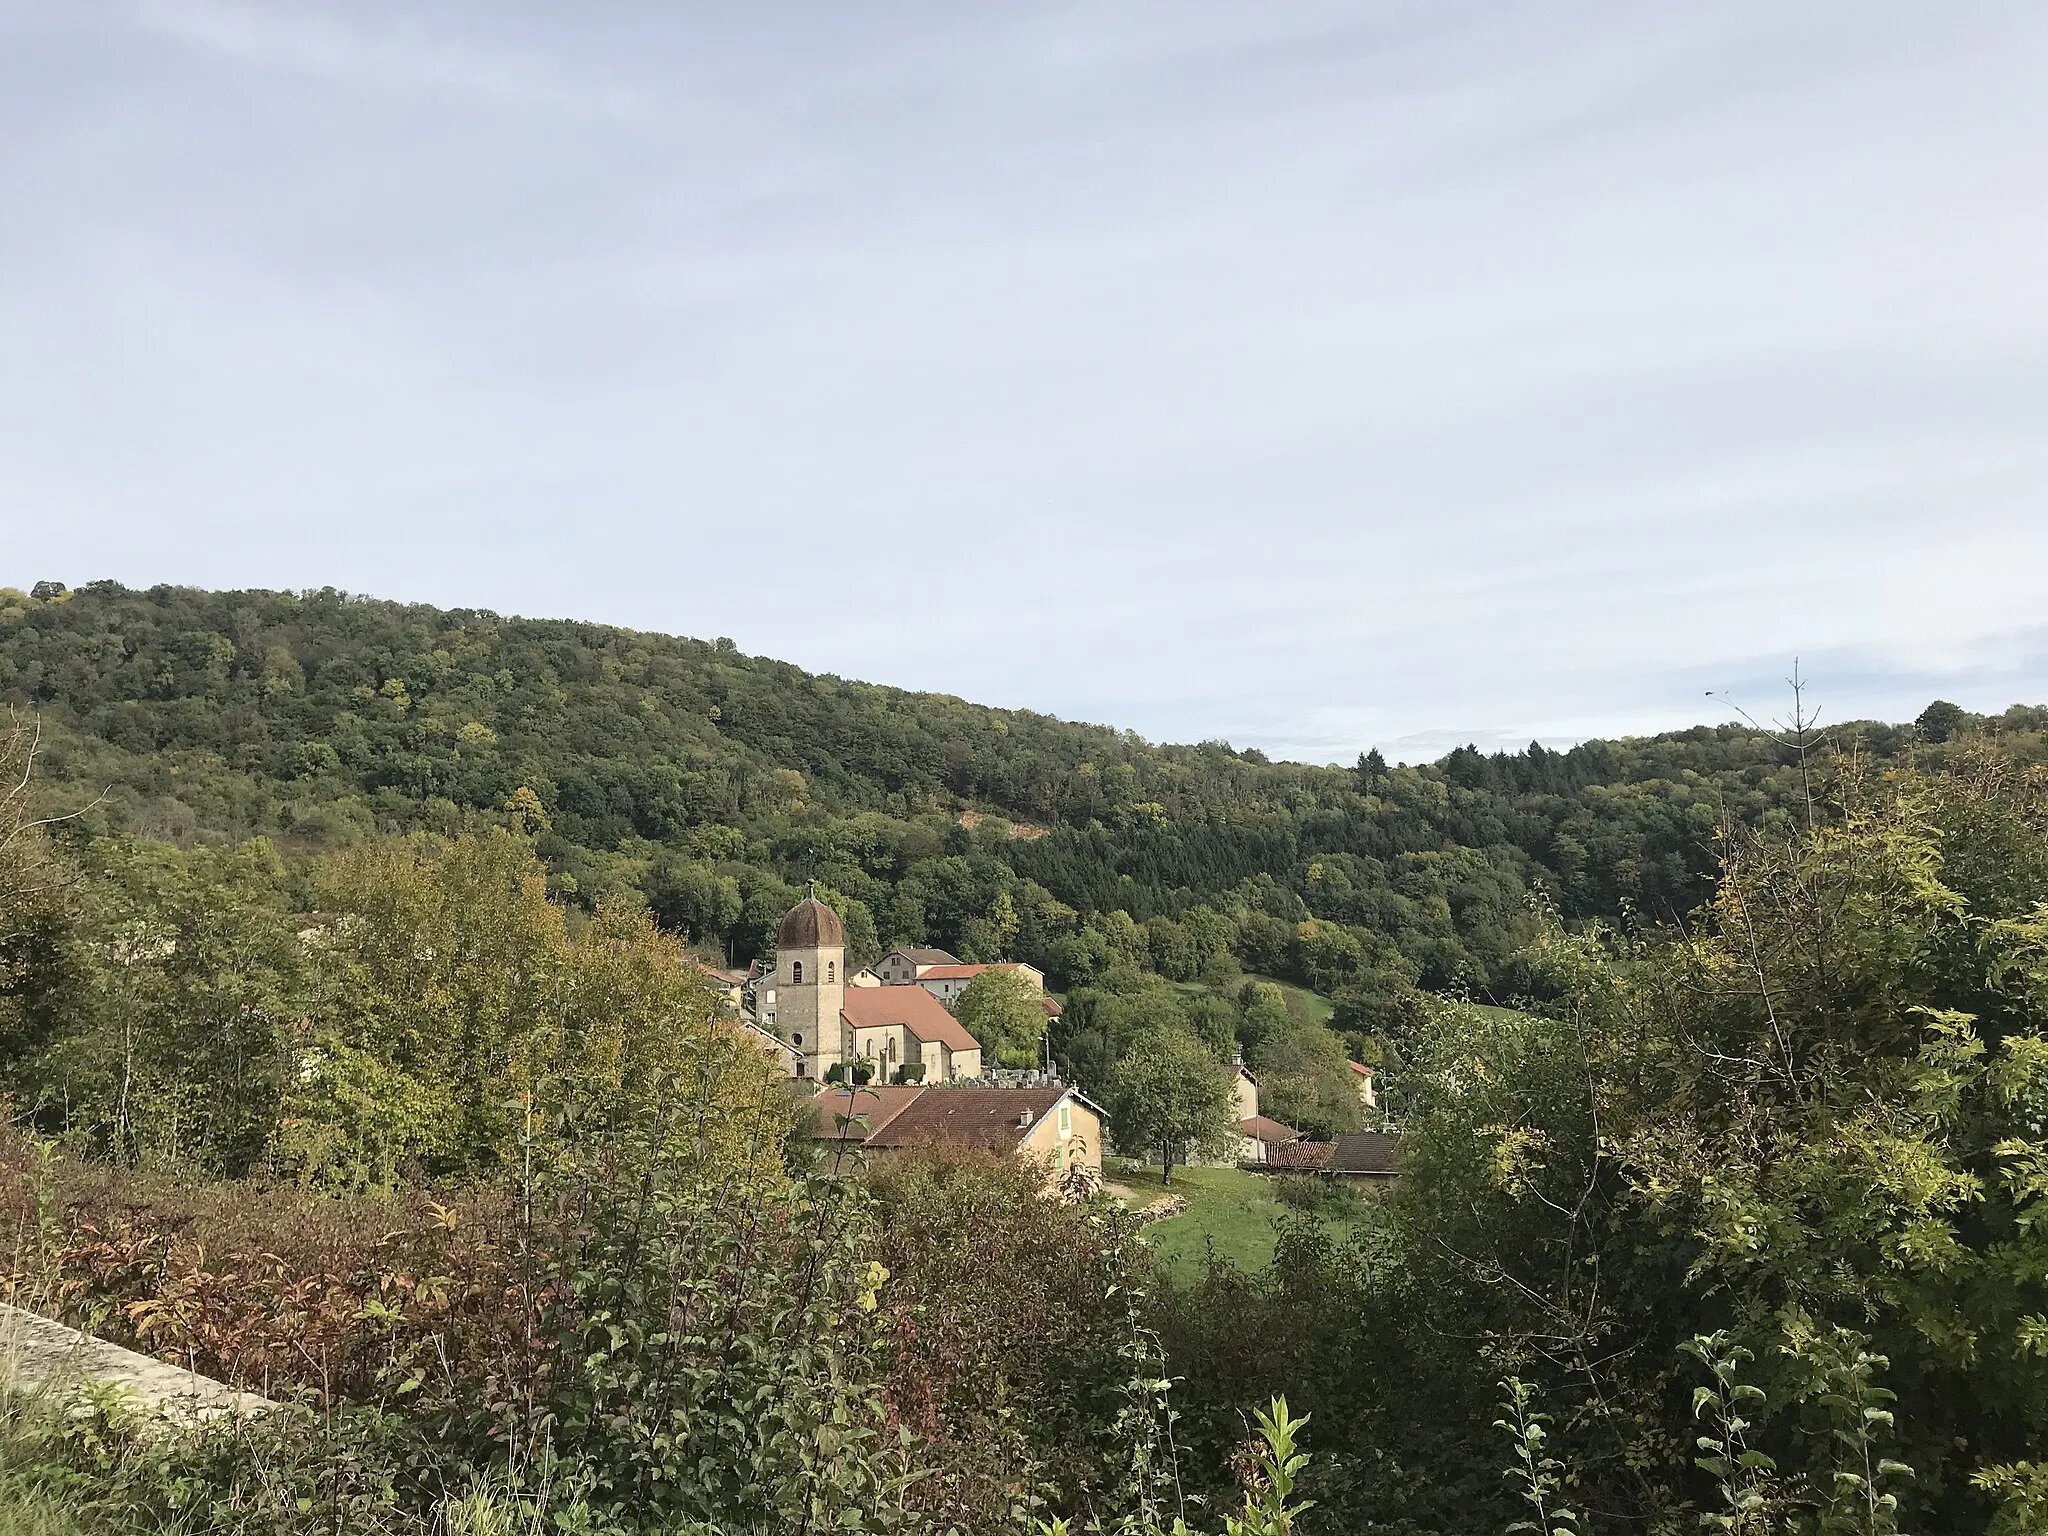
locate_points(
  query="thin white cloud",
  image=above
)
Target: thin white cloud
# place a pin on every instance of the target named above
(402, 52)
(1315, 374)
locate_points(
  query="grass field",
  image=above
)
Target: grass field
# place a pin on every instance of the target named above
(1229, 1209)
(1301, 1002)
(1233, 1209)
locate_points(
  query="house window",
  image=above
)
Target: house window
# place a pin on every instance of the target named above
(1066, 1121)
(796, 1039)
(831, 970)
(796, 973)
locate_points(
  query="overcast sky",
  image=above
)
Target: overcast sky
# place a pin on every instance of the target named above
(1313, 375)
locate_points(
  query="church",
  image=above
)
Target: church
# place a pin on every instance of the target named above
(903, 1032)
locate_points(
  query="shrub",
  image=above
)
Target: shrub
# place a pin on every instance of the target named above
(1009, 1331)
(1319, 1195)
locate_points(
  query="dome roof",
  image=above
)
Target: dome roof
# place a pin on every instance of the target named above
(810, 924)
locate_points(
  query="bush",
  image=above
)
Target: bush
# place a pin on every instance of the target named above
(1319, 1195)
(639, 1331)
(1009, 1331)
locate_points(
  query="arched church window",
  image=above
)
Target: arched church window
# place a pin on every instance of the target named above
(796, 972)
(831, 970)
(796, 1039)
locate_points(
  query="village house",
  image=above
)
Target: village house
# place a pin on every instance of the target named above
(947, 982)
(730, 985)
(1369, 1160)
(1257, 1134)
(940, 974)
(1057, 1127)
(1362, 1076)
(901, 967)
(778, 1049)
(1261, 1137)
(1245, 1088)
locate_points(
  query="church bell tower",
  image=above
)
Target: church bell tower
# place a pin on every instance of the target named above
(810, 986)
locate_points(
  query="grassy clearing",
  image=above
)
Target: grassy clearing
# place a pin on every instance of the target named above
(1228, 1207)
(1491, 1011)
(1235, 1212)
(1301, 1002)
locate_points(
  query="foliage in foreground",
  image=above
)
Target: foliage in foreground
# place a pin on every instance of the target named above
(1810, 1131)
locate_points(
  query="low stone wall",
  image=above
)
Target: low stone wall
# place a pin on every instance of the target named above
(37, 1355)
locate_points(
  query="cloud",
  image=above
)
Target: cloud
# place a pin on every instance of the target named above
(1314, 374)
(395, 53)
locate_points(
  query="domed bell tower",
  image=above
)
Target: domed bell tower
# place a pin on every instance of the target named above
(810, 986)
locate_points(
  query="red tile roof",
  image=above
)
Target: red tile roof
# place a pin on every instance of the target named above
(1360, 1068)
(965, 972)
(1299, 1154)
(912, 1007)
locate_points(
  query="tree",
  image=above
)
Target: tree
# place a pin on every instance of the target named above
(1305, 1079)
(1168, 1092)
(1940, 720)
(1262, 1014)
(37, 913)
(987, 939)
(1006, 1014)
(451, 986)
(694, 899)
(1817, 1109)
(29, 873)
(190, 980)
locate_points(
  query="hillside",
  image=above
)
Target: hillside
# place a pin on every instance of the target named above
(711, 783)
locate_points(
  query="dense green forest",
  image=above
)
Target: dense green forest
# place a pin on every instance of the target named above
(352, 1052)
(711, 784)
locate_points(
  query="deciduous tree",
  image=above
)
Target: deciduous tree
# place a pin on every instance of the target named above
(1169, 1094)
(1005, 1011)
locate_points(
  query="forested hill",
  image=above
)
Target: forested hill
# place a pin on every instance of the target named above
(712, 782)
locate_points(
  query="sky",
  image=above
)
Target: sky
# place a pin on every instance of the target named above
(1309, 375)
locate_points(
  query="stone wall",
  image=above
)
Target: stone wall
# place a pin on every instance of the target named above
(37, 1355)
